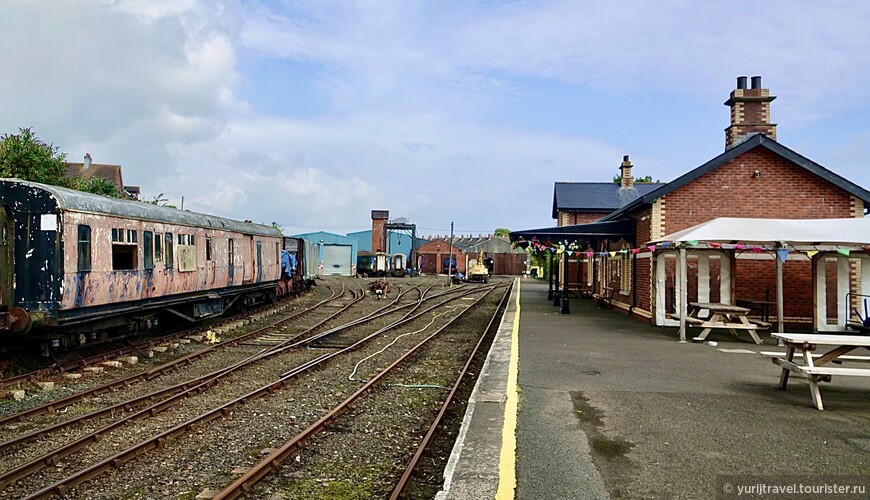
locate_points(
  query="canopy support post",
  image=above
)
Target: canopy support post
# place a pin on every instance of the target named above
(684, 296)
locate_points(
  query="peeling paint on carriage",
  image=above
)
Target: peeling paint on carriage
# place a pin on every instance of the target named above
(93, 262)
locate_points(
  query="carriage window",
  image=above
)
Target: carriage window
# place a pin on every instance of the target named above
(181, 239)
(277, 252)
(158, 248)
(125, 252)
(190, 239)
(208, 249)
(84, 247)
(168, 240)
(231, 255)
(147, 250)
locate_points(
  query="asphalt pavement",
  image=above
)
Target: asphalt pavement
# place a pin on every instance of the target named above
(611, 407)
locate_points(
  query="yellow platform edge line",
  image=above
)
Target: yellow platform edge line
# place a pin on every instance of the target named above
(507, 467)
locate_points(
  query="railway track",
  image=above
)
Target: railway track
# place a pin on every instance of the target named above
(306, 357)
(79, 361)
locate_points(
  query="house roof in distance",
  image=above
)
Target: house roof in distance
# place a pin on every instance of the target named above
(594, 197)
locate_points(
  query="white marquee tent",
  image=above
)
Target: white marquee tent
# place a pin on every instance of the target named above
(816, 236)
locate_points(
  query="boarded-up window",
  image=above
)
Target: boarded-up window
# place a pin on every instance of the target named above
(84, 247)
(186, 253)
(170, 261)
(147, 250)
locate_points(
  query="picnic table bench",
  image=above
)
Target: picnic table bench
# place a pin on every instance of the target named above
(815, 366)
(715, 316)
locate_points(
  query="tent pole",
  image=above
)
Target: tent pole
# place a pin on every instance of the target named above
(779, 291)
(683, 293)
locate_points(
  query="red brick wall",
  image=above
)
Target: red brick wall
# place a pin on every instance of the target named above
(783, 190)
(579, 218)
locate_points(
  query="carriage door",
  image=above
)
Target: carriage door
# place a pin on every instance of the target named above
(7, 249)
(248, 276)
(259, 267)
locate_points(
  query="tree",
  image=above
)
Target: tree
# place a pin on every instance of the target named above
(278, 227)
(27, 157)
(95, 185)
(500, 231)
(639, 180)
(161, 201)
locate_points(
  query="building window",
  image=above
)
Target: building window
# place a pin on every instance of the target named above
(169, 259)
(231, 252)
(84, 247)
(625, 274)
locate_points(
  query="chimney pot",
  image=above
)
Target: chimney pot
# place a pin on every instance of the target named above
(625, 158)
(741, 82)
(756, 82)
(88, 161)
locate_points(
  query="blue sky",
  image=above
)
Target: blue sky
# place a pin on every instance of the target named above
(313, 113)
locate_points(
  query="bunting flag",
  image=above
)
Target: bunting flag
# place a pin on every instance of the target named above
(580, 249)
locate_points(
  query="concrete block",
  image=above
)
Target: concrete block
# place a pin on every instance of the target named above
(45, 386)
(130, 360)
(160, 348)
(17, 394)
(112, 364)
(183, 341)
(93, 369)
(72, 376)
(207, 494)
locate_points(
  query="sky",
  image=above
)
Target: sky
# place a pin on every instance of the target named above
(311, 114)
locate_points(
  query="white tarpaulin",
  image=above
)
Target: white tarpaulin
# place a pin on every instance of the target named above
(853, 231)
(777, 233)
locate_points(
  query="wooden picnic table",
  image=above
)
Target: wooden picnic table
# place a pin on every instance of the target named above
(815, 367)
(716, 316)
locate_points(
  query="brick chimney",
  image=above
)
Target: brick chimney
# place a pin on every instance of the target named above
(625, 169)
(379, 232)
(750, 112)
(88, 160)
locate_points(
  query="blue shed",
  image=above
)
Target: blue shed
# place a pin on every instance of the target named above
(337, 253)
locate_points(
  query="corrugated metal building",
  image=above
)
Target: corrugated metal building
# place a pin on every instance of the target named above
(337, 252)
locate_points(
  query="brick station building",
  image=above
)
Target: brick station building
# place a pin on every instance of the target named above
(756, 177)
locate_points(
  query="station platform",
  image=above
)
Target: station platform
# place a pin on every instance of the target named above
(595, 404)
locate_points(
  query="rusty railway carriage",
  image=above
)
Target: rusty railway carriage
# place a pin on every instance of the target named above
(77, 268)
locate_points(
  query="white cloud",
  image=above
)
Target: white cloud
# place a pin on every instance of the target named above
(414, 95)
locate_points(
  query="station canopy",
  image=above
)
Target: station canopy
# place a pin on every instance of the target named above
(591, 233)
(852, 232)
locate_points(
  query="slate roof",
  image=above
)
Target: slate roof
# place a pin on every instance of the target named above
(757, 140)
(592, 197)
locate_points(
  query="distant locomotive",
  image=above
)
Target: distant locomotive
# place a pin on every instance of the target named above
(78, 268)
